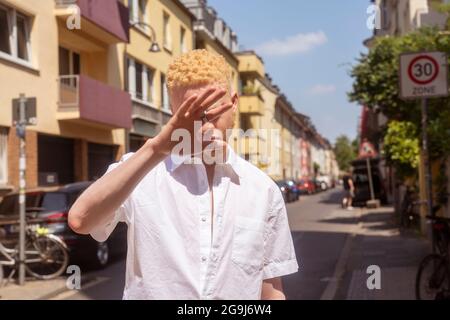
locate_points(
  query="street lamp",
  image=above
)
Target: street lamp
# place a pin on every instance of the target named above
(154, 47)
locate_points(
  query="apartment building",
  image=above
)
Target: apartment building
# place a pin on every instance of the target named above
(66, 57)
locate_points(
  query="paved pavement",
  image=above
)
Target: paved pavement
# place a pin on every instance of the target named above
(334, 248)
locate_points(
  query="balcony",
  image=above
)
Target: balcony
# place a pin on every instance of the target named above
(107, 21)
(206, 16)
(88, 101)
(251, 104)
(250, 63)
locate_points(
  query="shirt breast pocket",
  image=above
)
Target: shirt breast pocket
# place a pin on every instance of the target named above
(248, 244)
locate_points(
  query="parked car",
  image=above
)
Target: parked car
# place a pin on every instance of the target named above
(317, 185)
(306, 186)
(51, 206)
(288, 196)
(324, 182)
(295, 191)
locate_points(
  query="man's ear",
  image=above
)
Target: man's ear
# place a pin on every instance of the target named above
(235, 100)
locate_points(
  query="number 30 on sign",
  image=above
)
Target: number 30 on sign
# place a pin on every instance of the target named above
(423, 75)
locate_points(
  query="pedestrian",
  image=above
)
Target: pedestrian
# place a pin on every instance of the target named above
(201, 225)
(349, 188)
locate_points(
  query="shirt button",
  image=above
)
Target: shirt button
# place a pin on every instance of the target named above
(203, 259)
(203, 219)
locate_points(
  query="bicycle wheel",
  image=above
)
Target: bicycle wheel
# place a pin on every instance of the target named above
(46, 258)
(1, 276)
(432, 281)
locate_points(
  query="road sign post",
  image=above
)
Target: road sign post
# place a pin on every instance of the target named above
(24, 113)
(424, 75)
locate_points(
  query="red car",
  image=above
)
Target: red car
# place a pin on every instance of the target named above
(306, 186)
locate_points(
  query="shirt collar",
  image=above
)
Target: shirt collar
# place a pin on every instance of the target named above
(173, 161)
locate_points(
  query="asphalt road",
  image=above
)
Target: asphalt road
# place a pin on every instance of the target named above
(319, 232)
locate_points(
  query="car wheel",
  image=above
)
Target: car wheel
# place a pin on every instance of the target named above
(101, 254)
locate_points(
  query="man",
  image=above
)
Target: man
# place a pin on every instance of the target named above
(197, 229)
(349, 188)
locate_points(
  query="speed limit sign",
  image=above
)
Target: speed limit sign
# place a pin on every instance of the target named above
(423, 75)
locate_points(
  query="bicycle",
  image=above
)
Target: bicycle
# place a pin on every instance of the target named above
(46, 255)
(434, 270)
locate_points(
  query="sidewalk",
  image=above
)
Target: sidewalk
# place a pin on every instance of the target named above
(33, 289)
(378, 241)
(39, 289)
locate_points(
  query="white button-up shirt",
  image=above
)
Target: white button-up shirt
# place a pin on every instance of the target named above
(178, 250)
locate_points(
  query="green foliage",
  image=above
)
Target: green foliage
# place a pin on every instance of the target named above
(345, 152)
(316, 168)
(401, 147)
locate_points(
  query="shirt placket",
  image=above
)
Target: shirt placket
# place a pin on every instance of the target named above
(220, 192)
(204, 211)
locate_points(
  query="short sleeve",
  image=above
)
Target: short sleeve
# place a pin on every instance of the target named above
(103, 231)
(279, 252)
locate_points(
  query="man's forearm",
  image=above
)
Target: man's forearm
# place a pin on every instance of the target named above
(105, 195)
(272, 289)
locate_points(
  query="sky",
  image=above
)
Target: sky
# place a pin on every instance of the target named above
(308, 48)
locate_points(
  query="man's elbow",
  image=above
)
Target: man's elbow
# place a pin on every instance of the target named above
(76, 223)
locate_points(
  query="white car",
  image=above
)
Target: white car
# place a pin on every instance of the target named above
(325, 182)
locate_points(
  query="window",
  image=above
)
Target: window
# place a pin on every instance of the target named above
(167, 37)
(384, 14)
(142, 10)
(164, 94)
(5, 45)
(14, 34)
(3, 156)
(183, 47)
(140, 81)
(69, 62)
(138, 10)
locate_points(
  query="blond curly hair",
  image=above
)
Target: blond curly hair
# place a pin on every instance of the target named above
(198, 67)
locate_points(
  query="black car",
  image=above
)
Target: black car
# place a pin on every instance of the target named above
(286, 190)
(50, 206)
(294, 190)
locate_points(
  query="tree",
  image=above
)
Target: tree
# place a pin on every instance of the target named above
(344, 151)
(402, 147)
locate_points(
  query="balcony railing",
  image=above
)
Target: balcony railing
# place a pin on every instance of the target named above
(109, 15)
(86, 99)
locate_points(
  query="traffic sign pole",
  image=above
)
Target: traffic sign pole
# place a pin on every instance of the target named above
(21, 129)
(427, 163)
